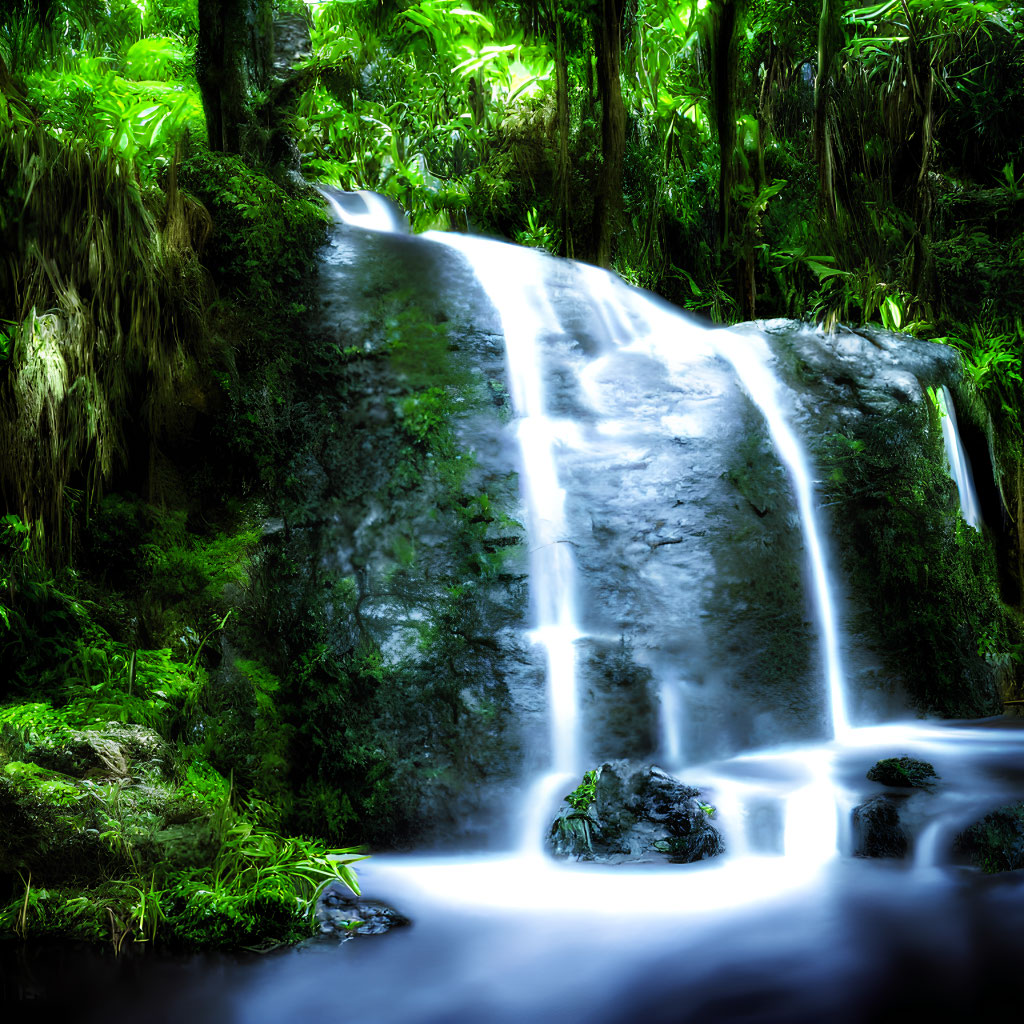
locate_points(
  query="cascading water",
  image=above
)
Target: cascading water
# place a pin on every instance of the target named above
(366, 210)
(956, 458)
(750, 358)
(509, 276)
(525, 315)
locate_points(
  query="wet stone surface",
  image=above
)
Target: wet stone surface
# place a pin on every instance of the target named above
(340, 913)
(639, 813)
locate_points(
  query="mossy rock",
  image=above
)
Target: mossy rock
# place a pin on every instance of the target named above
(629, 811)
(903, 773)
(996, 843)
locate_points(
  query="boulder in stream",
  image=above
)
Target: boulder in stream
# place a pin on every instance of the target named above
(996, 842)
(628, 812)
(339, 912)
(903, 773)
(877, 831)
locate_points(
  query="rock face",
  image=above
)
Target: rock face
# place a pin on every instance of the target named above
(876, 829)
(638, 813)
(339, 912)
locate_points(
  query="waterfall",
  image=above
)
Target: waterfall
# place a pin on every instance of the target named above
(956, 459)
(507, 275)
(627, 321)
(672, 338)
(366, 210)
(631, 321)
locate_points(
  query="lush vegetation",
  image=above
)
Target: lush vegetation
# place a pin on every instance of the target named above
(165, 723)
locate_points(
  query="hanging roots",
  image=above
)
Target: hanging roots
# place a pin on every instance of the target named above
(104, 315)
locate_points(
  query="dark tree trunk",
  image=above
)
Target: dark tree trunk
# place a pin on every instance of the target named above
(608, 27)
(233, 60)
(921, 72)
(830, 39)
(725, 19)
(562, 170)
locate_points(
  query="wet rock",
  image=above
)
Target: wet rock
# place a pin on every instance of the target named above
(637, 813)
(996, 842)
(341, 913)
(903, 772)
(876, 829)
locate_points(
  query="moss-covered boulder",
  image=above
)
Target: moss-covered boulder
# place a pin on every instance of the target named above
(996, 842)
(626, 812)
(903, 773)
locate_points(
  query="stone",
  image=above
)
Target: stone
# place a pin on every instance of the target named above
(339, 912)
(996, 842)
(903, 773)
(638, 813)
(877, 831)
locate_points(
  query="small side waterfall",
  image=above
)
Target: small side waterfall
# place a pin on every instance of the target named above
(956, 457)
(366, 210)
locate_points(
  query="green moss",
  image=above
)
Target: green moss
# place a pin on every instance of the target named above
(996, 843)
(927, 583)
(903, 772)
(265, 235)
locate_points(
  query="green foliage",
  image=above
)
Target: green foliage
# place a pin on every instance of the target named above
(440, 156)
(259, 892)
(572, 832)
(140, 121)
(536, 234)
(584, 794)
(156, 58)
(265, 235)
(903, 772)
(81, 371)
(425, 418)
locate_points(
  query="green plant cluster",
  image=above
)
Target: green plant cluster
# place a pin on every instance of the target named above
(584, 794)
(141, 789)
(573, 830)
(265, 233)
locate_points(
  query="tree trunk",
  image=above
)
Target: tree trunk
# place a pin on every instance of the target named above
(829, 41)
(922, 189)
(607, 200)
(562, 170)
(721, 45)
(233, 60)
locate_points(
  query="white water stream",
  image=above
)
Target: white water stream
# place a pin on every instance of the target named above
(956, 458)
